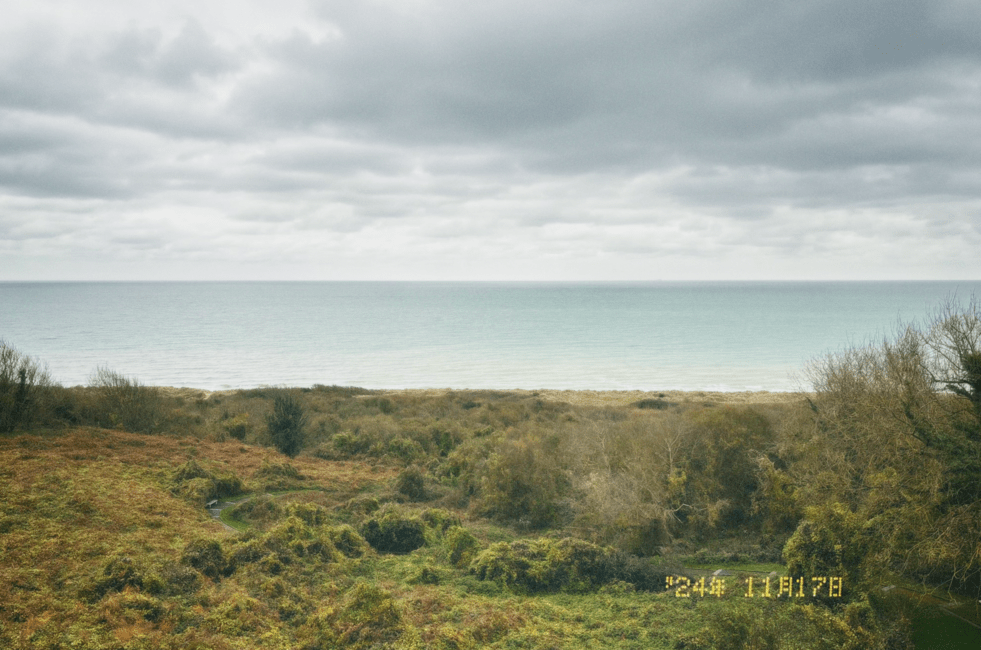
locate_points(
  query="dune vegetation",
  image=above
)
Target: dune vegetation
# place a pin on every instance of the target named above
(353, 518)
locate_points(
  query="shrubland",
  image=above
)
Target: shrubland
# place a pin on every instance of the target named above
(490, 518)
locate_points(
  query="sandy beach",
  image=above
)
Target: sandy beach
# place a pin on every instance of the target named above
(575, 397)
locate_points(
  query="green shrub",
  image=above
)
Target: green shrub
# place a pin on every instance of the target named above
(405, 449)
(426, 575)
(197, 484)
(650, 403)
(261, 511)
(395, 533)
(245, 551)
(310, 513)
(348, 541)
(123, 402)
(367, 618)
(523, 484)
(23, 385)
(739, 626)
(292, 539)
(117, 573)
(461, 545)
(350, 444)
(440, 519)
(568, 564)
(383, 404)
(411, 483)
(237, 427)
(206, 556)
(286, 424)
(180, 580)
(277, 476)
(831, 541)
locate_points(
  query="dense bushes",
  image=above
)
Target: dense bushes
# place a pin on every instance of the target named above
(395, 532)
(277, 476)
(194, 482)
(461, 546)
(564, 565)
(367, 617)
(125, 403)
(523, 482)
(894, 439)
(23, 385)
(286, 423)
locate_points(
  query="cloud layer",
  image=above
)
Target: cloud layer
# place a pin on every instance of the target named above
(491, 140)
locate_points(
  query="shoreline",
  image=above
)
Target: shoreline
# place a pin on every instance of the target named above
(569, 396)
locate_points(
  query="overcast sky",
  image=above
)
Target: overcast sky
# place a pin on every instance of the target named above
(490, 140)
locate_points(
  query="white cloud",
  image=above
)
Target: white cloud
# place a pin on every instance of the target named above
(490, 140)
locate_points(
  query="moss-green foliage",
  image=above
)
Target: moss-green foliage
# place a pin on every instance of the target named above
(395, 532)
(117, 573)
(656, 404)
(289, 542)
(311, 514)
(411, 484)
(348, 541)
(567, 564)
(831, 541)
(522, 482)
(367, 617)
(277, 476)
(260, 512)
(461, 546)
(426, 575)
(722, 469)
(766, 625)
(440, 519)
(195, 483)
(405, 449)
(205, 555)
(238, 426)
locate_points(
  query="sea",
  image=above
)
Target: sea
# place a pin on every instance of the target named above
(718, 336)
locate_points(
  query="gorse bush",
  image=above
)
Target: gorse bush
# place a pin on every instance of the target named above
(286, 423)
(277, 476)
(195, 483)
(366, 618)
(394, 532)
(569, 564)
(461, 546)
(237, 427)
(411, 483)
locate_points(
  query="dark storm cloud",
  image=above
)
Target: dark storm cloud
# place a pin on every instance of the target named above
(581, 86)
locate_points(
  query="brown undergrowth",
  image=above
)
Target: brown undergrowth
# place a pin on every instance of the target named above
(92, 535)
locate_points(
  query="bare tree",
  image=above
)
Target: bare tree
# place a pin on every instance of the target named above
(23, 382)
(953, 343)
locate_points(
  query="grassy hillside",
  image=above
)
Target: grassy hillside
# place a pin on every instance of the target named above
(106, 543)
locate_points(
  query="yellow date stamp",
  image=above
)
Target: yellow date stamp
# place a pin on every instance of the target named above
(753, 587)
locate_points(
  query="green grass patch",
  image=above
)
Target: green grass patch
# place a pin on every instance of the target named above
(935, 629)
(749, 567)
(229, 520)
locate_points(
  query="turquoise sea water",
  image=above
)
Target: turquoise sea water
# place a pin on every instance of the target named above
(713, 336)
